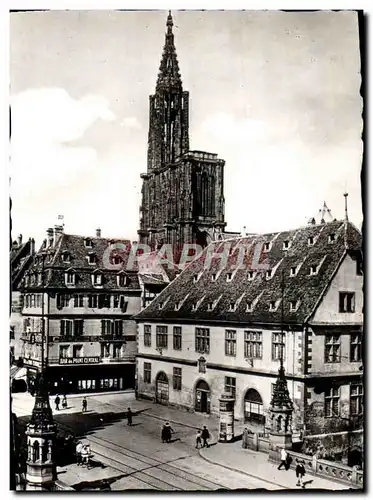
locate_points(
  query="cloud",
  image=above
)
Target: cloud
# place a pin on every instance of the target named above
(130, 122)
(223, 126)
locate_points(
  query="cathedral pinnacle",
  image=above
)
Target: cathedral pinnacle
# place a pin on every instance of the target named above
(169, 75)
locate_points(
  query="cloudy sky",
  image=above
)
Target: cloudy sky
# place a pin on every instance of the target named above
(275, 94)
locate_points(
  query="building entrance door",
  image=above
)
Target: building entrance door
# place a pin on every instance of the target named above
(161, 390)
(202, 403)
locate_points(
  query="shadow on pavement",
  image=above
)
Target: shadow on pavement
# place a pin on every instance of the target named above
(100, 484)
(79, 425)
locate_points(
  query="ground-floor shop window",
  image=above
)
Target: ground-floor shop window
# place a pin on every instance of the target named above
(111, 383)
(88, 385)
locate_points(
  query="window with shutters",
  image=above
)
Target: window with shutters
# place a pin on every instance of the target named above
(64, 351)
(93, 301)
(253, 347)
(71, 328)
(355, 347)
(79, 300)
(346, 302)
(356, 399)
(118, 328)
(230, 386)
(77, 351)
(176, 378)
(332, 348)
(104, 301)
(105, 350)
(97, 279)
(177, 339)
(230, 342)
(202, 339)
(70, 278)
(147, 373)
(148, 335)
(162, 336)
(332, 397)
(117, 350)
(278, 346)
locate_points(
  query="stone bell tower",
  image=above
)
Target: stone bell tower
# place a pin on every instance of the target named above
(40, 434)
(281, 412)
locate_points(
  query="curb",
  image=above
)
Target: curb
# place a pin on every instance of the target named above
(96, 394)
(240, 471)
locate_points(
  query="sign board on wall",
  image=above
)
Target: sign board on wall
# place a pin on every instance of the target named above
(80, 361)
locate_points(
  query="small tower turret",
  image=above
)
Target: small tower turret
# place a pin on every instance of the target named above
(40, 434)
(281, 412)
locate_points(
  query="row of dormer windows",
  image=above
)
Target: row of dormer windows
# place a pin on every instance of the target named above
(313, 270)
(346, 304)
(96, 278)
(93, 301)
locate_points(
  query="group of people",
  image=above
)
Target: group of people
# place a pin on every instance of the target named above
(300, 470)
(57, 402)
(83, 452)
(201, 439)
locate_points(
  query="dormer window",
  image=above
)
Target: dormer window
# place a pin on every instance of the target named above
(286, 244)
(293, 305)
(249, 306)
(311, 240)
(210, 306)
(267, 246)
(229, 276)
(272, 305)
(177, 306)
(331, 238)
(117, 260)
(122, 280)
(195, 278)
(91, 258)
(313, 270)
(194, 306)
(66, 257)
(97, 279)
(232, 306)
(269, 273)
(88, 243)
(293, 271)
(213, 277)
(160, 305)
(70, 278)
(250, 275)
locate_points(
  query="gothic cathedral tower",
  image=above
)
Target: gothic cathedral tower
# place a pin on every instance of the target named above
(182, 192)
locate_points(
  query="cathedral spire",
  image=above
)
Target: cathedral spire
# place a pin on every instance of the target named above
(169, 74)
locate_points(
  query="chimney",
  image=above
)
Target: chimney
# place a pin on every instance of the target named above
(98, 233)
(311, 222)
(19, 240)
(50, 236)
(58, 230)
(32, 246)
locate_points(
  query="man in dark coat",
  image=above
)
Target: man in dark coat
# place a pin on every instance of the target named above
(129, 416)
(205, 436)
(57, 402)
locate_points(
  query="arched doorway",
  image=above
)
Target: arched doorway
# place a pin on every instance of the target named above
(253, 409)
(202, 402)
(161, 388)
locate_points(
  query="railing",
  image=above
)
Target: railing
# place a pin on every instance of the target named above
(326, 468)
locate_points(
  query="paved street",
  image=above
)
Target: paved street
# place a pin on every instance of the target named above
(135, 458)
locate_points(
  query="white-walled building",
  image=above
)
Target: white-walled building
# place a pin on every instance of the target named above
(223, 328)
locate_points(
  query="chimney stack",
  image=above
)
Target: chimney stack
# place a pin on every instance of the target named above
(32, 246)
(58, 230)
(98, 233)
(50, 236)
(19, 240)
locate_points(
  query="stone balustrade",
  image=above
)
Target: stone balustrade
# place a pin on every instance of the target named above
(313, 465)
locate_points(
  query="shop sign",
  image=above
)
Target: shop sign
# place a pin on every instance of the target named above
(79, 361)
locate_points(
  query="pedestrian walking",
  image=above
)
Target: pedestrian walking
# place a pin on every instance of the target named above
(129, 416)
(284, 459)
(57, 402)
(64, 402)
(199, 439)
(205, 435)
(166, 433)
(84, 404)
(300, 472)
(78, 452)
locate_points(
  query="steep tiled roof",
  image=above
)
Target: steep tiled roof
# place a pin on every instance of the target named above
(223, 293)
(70, 252)
(21, 257)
